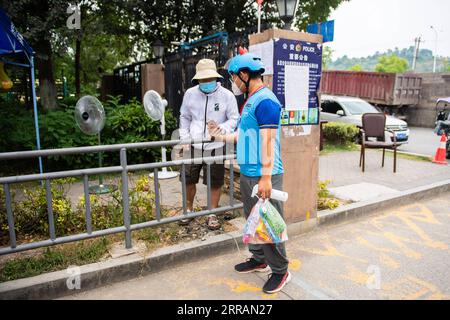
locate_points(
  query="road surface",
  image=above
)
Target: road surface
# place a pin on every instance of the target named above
(401, 253)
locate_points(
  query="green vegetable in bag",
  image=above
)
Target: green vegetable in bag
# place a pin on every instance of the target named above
(272, 218)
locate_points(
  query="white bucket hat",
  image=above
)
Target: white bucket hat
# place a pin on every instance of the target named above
(205, 69)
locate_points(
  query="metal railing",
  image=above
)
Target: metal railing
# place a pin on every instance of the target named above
(124, 168)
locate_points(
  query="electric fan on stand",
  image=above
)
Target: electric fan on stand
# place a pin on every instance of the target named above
(90, 117)
(155, 106)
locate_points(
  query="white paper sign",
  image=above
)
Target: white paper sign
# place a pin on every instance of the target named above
(306, 130)
(296, 87)
(265, 51)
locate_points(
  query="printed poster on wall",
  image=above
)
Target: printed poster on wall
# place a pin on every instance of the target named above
(297, 71)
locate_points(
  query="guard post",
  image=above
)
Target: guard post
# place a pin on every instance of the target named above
(293, 63)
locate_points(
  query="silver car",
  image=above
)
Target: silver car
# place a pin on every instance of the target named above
(350, 110)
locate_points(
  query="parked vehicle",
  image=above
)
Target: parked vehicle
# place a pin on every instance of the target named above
(391, 92)
(442, 124)
(350, 110)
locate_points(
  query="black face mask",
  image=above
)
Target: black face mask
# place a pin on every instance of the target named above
(247, 85)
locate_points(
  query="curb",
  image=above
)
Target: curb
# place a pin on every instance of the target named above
(419, 155)
(363, 208)
(55, 284)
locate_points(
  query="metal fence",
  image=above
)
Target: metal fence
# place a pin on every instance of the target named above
(124, 168)
(128, 81)
(180, 66)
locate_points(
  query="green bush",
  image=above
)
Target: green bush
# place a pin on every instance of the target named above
(30, 214)
(16, 126)
(31, 220)
(129, 124)
(324, 201)
(340, 133)
(125, 123)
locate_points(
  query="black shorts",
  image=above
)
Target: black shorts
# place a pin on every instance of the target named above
(217, 169)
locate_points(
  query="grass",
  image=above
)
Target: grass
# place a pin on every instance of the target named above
(57, 258)
(331, 148)
(408, 156)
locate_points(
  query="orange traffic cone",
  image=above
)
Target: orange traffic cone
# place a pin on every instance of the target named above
(440, 153)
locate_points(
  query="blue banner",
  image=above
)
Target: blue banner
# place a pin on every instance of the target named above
(298, 53)
(326, 29)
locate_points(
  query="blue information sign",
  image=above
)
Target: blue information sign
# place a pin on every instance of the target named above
(298, 53)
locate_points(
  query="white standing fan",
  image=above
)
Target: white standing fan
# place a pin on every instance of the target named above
(155, 106)
(90, 117)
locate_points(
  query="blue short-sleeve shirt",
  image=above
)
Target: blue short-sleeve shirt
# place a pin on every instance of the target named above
(261, 111)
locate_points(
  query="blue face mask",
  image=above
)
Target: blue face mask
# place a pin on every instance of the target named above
(208, 87)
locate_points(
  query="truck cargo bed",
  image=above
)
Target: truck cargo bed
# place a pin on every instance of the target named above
(391, 89)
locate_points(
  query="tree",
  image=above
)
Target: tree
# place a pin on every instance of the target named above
(356, 67)
(38, 21)
(115, 32)
(391, 63)
(314, 11)
(187, 20)
(447, 65)
(326, 57)
(103, 41)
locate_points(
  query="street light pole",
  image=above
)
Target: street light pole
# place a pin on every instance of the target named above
(435, 48)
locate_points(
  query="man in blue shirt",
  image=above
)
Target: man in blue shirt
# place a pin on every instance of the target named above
(258, 155)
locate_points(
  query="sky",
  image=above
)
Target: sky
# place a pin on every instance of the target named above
(362, 27)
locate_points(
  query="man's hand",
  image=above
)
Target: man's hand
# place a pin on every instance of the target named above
(212, 125)
(265, 187)
(214, 130)
(181, 151)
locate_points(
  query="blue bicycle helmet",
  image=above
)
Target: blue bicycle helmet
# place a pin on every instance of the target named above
(245, 62)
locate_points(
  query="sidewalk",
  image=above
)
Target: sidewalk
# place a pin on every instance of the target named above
(350, 183)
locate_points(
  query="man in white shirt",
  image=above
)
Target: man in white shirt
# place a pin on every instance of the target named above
(207, 102)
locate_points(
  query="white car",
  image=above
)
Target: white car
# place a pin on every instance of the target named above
(350, 110)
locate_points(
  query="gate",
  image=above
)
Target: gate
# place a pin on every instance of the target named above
(128, 81)
(180, 66)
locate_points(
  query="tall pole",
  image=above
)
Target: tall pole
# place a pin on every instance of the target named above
(259, 18)
(36, 122)
(416, 52)
(435, 48)
(259, 15)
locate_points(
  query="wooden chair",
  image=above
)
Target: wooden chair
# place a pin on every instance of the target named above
(374, 127)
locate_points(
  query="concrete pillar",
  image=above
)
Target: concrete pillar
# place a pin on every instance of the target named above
(299, 153)
(152, 78)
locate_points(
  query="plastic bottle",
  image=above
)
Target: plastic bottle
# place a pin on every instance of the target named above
(275, 194)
